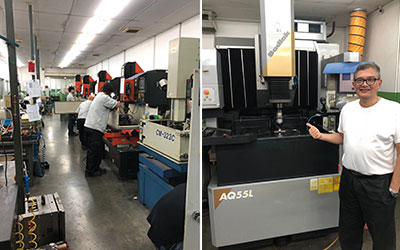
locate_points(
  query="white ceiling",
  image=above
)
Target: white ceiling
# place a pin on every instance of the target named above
(57, 24)
(318, 10)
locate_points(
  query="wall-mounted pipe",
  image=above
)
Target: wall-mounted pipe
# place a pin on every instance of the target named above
(333, 30)
(358, 21)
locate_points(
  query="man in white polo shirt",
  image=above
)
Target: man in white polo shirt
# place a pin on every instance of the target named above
(82, 112)
(369, 129)
(71, 117)
(95, 126)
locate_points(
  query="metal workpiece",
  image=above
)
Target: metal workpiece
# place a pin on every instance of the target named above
(272, 209)
(134, 114)
(49, 216)
(171, 142)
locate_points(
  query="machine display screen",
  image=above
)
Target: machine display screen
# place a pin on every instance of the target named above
(141, 83)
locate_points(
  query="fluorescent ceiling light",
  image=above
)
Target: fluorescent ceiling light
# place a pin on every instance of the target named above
(95, 25)
(78, 47)
(103, 14)
(110, 8)
(85, 38)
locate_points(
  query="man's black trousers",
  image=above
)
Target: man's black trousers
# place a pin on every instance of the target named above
(82, 136)
(95, 150)
(71, 123)
(366, 199)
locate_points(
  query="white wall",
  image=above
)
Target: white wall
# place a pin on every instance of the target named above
(59, 83)
(4, 72)
(340, 37)
(150, 54)
(142, 53)
(114, 65)
(191, 27)
(382, 44)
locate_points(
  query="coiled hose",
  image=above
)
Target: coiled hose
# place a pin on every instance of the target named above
(358, 22)
(32, 224)
(20, 241)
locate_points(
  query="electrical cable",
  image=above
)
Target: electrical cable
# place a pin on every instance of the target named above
(32, 222)
(313, 116)
(333, 243)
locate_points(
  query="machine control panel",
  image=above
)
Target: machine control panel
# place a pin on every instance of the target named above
(208, 96)
(211, 96)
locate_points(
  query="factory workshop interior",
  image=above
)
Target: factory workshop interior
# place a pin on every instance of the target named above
(199, 124)
(269, 68)
(94, 153)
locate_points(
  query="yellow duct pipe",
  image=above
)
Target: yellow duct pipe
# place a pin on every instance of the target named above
(358, 21)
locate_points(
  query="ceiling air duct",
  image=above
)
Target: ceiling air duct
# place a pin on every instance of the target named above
(209, 24)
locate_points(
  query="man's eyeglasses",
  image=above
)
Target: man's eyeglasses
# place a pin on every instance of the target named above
(370, 81)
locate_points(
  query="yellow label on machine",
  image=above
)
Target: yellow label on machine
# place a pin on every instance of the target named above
(325, 185)
(313, 184)
(336, 183)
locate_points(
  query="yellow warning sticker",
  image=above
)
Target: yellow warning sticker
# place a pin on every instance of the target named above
(336, 183)
(325, 185)
(313, 184)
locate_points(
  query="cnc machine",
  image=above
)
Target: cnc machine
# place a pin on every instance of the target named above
(272, 179)
(78, 83)
(87, 84)
(104, 78)
(165, 141)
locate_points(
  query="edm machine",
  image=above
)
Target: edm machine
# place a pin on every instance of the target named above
(170, 137)
(138, 91)
(271, 178)
(104, 78)
(164, 138)
(127, 116)
(86, 84)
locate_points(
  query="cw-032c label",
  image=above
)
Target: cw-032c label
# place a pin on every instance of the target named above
(165, 135)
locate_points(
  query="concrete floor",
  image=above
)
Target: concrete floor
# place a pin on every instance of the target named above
(318, 243)
(101, 212)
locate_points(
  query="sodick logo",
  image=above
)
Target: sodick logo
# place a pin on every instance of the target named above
(227, 194)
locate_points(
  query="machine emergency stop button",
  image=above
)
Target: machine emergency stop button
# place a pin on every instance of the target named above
(206, 92)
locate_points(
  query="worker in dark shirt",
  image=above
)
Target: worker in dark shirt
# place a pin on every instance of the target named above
(167, 220)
